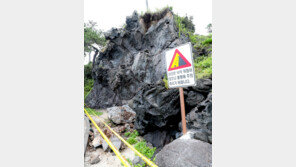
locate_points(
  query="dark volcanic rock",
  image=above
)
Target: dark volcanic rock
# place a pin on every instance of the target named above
(158, 138)
(156, 107)
(134, 57)
(130, 69)
(199, 120)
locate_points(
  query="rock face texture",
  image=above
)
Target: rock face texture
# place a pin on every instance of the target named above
(185, 153)
(199, 120)
(133, 57)
(121, 115)
(86, 131)
(130, 70)
(158, 108)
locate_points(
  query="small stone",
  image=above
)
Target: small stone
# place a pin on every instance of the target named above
(137, 160)
(105, 146)
(98, 140)
(116, 142)
(95, 158)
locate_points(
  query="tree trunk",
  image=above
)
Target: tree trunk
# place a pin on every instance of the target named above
(95, 55)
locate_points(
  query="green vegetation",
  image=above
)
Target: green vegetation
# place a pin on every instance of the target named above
(126, 134)
(144, 149)
(201, 43)
(132, 140)
(93, 112)
(88, 81)
(165, 80)
(132, 136)
(203, 66)
(141, 146)
(92, 36)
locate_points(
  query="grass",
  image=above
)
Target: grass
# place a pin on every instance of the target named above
(88, 85)
(132, 140)
(165, 80)
(144, 149)
(141, 146)
(203, 67)
(132, 137)
(93, 112)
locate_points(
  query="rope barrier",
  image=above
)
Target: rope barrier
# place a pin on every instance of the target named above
(149, 162)
(108, 141)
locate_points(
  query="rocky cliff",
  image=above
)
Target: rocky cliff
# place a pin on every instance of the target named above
(130, 70)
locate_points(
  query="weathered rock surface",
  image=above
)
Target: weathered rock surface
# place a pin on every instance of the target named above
(185, 153)
(115, 141)
(137, 160)
(133, 57)
(86, 131)
(121, 115)
(158, 108)
(158, 138)
(94, 158)
(98, 141)
(199, 120)
(130, 70)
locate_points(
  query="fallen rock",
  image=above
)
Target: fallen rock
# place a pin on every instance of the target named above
(105, 146)
(86, 131)
(115, 141)
(98, 141)
(114, 114)
(137, 160)
(185, 153)
(120, 115)
(94, 158)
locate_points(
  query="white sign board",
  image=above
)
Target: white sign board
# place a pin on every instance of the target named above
(180, 66)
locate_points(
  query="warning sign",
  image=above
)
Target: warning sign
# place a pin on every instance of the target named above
(179, 65)
(178, 61)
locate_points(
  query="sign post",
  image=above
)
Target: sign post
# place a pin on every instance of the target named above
(180, 73)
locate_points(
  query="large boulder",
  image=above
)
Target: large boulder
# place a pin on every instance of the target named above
(185, 153)
(121, 115)
(134, 57)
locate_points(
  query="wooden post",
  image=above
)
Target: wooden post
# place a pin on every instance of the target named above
(182, 110)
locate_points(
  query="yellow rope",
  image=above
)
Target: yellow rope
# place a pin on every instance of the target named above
(149, 162)
(108, 141)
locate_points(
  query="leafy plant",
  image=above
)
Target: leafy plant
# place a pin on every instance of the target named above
(165, 80)
(126, 134)
(92, 36)
(144, 149)
(132, 140)
(93, 112)
(203, 67)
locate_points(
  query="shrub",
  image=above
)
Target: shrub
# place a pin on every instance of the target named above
(126, 134)
(144, 149)
(203, 67)
(207, 41)
(132, 140)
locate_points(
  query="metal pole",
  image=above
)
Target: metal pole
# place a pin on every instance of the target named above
(182, 110)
